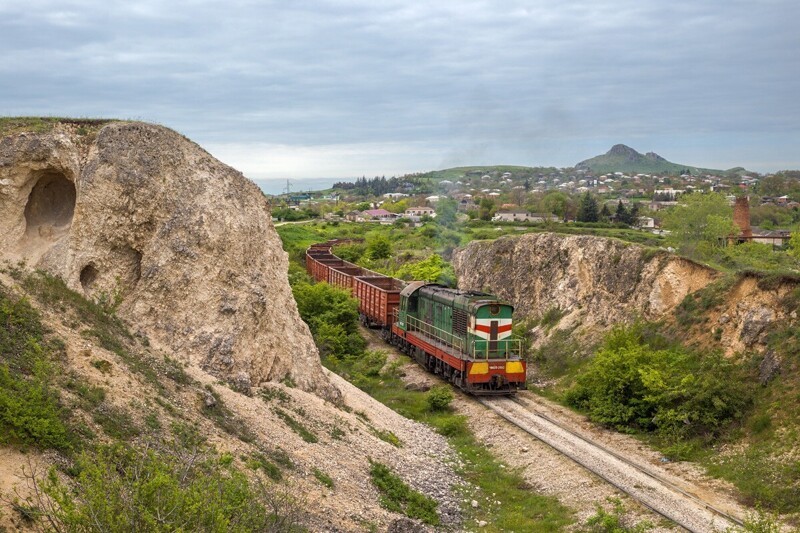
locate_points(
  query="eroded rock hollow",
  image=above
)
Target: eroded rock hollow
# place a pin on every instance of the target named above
(144, 218)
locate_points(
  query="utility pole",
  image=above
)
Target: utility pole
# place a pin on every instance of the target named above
(288, 187)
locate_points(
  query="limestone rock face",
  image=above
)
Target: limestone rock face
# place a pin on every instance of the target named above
(596, 283)
(182, 243)
(591, 279)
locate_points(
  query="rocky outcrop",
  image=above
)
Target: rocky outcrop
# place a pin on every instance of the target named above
(595, 283)
(142, 218)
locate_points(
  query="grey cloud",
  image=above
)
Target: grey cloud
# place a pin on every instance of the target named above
(326, 72)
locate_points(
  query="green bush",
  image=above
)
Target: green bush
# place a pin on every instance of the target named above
(632, 385)
(332, 316)
(433, 268)
(439, 398)
(398, 497)
(120, 489)
(30, 413)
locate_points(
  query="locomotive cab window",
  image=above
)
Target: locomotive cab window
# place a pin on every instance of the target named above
(494, 309)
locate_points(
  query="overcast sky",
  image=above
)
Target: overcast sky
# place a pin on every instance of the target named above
(294, 89)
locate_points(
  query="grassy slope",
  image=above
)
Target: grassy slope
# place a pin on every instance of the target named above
(71, 411)
(10, 125)
(606, 163)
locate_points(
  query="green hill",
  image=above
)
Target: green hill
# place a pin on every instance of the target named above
(458, 173)
(622, 158)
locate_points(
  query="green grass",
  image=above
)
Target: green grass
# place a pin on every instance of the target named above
(258, 461)
(296, 426)
(31, 413)
(10, 125)
(398, 497)
(323, 478)
(387, 436)
(522, 509)
(115, 421)
(224, 419)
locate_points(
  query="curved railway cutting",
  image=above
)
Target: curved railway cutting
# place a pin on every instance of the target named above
(388, 304)
(641, 482)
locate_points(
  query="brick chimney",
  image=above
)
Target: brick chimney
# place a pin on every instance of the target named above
(741, 215)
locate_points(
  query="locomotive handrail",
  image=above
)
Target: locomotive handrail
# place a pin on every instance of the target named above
(415, 324)
(509, 352)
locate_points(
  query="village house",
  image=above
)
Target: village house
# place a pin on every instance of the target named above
(378, 215)
(420, 212)
(520, 215)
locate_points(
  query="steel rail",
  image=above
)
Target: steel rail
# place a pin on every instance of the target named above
(680, 520)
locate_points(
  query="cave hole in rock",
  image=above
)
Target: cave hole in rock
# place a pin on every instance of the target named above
(89, 275)
(51, 204)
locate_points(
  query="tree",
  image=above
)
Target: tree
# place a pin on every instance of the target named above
(621, 213)
(396, 207)
(379, 247)
(605, 214)
(633, 214)
(588, 211)
(486, 209)
(556, 202)
(446, 210)
(794, 243)
(700, 219)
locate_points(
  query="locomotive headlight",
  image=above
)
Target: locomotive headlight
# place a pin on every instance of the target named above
(514, 367)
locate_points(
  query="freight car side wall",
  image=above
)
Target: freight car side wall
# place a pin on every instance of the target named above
(378, 298)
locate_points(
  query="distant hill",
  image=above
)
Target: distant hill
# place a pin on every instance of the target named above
(623, 158)
(457, 173)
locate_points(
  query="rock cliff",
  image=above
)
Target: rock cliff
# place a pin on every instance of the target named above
(143, 219)
(595, 283)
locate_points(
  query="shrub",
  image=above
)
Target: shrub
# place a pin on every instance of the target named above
(398, 497)
(30, 413)
(631, 385)
(123, 489)
(439, 398)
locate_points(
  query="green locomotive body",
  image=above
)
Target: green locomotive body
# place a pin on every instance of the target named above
(465, 336)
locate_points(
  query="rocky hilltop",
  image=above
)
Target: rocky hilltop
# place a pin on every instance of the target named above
(139, 217)
(593, 283)
(621, 158)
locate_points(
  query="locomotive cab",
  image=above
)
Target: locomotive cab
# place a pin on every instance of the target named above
(465, 336)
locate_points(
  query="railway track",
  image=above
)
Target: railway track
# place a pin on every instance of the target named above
(641, 482)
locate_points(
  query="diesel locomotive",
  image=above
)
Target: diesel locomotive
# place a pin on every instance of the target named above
(463, 336)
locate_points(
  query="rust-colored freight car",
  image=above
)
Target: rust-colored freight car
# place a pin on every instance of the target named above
(342, 276)
(313, 255)
(378, 298)
(323, 266)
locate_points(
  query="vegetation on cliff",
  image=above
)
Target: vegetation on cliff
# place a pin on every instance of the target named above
(646, 383)
(118, 469)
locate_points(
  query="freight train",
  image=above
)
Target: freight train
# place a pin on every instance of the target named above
(463, 336)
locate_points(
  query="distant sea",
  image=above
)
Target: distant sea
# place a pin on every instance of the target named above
(277, 186)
